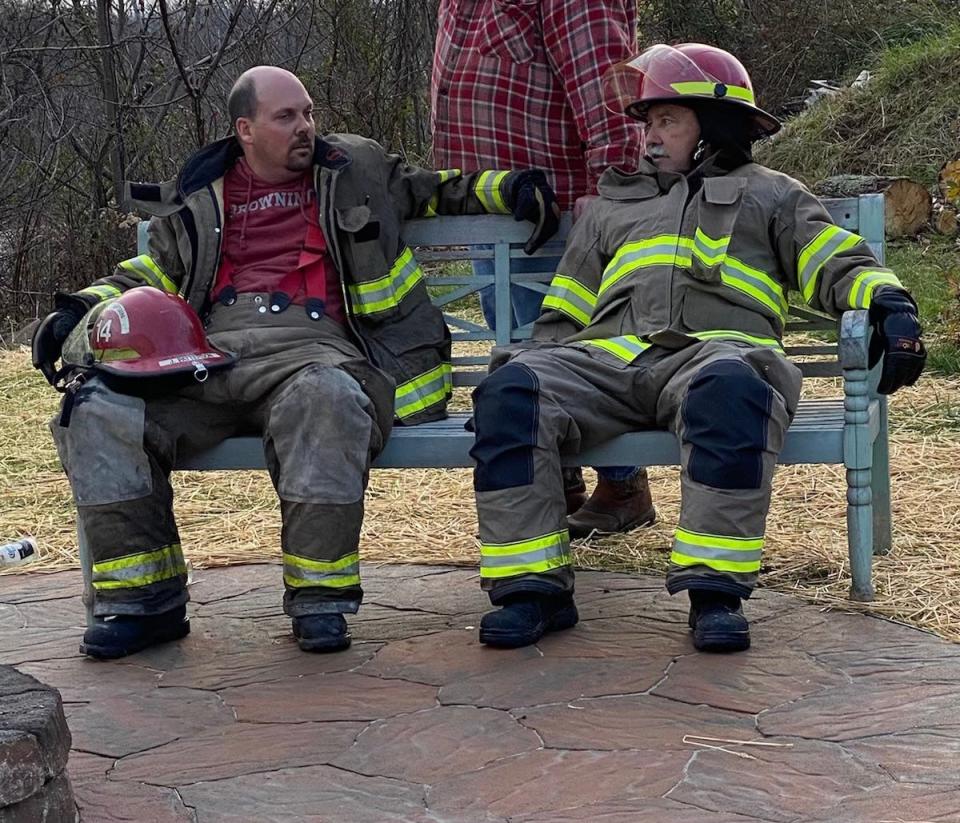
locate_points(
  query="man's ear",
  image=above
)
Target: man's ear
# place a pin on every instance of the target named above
(243, 130)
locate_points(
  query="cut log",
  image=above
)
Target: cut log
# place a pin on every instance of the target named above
(948, 181)
(908, 205)
(945, 221)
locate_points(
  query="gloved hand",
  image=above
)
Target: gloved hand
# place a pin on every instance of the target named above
(896, 339)
(530, 198)
(54, 329)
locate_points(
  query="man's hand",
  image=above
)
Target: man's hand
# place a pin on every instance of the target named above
(896, 338)
(530, 198)
(48, 337)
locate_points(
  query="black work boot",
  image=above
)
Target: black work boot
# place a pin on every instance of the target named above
(123, 634)
(574, 489)
(525, 618)
(615, 506)
(718, 622)
(321, 632)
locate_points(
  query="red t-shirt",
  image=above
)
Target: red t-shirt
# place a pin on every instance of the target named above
(264, 233)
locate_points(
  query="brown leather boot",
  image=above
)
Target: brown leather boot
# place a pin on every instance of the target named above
(574, 489)
(615, 506)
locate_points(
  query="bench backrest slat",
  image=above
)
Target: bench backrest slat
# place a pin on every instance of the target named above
(500, 241)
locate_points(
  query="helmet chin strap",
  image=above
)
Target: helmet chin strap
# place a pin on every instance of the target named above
(700, 151)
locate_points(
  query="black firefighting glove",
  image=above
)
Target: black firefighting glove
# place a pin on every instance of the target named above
(530, 197)
(896, 339)
(54, 329)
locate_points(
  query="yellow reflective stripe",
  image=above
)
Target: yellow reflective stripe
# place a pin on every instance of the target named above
(703, 88)
(149, 272)
(730, 334)
(570, 297)
(659, 250)
(430, 210)
(300, 572)
(386, 292)
(141, 569)
(861, 292)
(829, 242)
(423, 391)
(708, 250)
(720, 552)
(627, 348)
(755, 283)
(103, 291)
(487, 189)
(536, 555)
(448, 174)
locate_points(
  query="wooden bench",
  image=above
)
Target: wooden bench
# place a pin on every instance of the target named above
(850, 430)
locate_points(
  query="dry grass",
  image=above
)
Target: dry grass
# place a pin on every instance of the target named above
(428, 515)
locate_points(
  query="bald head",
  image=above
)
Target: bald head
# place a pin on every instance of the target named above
(242, 101)
(272, 116)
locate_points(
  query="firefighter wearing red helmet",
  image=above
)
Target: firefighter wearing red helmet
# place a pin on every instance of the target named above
(668, 310)
(289, 247)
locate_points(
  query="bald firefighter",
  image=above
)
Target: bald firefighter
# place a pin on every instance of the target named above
(290, 249)
(667, 311)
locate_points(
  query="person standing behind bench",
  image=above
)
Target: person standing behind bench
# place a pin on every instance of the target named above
(517, 83)
(290, 248)
(690, 260)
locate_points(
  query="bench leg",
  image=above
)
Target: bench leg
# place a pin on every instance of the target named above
(880, 485)
(86, 567)
(858, 460)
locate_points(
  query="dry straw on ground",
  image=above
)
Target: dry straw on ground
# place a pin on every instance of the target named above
(428, 515)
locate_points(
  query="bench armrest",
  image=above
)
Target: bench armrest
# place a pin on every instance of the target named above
(854, 345)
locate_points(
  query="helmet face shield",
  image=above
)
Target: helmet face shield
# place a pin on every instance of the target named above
(684, 73)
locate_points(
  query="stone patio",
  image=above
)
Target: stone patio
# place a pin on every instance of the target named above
(418, 722)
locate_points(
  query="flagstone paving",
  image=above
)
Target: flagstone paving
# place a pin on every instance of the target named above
(616, 721)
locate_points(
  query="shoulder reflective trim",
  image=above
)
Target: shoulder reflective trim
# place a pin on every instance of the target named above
(627, 348)
(149, 272)
(656, 251)
(102, 291)
(299, 572)
(534, 556)
(730, 334)
(142, 569)
(424, 391)
(570, 297)
(723, 553)
(861, 292)
(817, 252)
(386, 292)
(487, 189)
(706, 89)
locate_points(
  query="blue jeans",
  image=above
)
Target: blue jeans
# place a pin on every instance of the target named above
(525, 305)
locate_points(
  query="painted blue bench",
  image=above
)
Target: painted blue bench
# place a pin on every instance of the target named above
(851, 430)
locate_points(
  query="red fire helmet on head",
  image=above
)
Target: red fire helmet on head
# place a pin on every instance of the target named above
(146, 332)
(688, 72)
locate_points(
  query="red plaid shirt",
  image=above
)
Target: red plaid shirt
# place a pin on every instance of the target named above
(517, 84)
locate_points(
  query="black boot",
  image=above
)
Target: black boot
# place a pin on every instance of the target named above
(321, 632)
(525, 618)
(718, 622)
(123, 634)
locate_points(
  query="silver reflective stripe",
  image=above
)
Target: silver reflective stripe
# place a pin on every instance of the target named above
(141, 569)
(423, 391)
(713, 553)
(555, 551)
(817, 252)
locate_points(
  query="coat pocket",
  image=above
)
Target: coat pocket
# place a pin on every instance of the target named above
(359, 230)
(719, 206)
(511, 31)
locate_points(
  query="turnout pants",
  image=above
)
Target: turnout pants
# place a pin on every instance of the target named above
(323, 411)
(728, 403)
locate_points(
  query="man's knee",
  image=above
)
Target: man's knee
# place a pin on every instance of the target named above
(726, 418)
(102, 447)
(506, 417)
(322, 432)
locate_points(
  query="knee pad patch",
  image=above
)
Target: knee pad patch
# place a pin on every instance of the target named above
(506, 417)
(725, 417)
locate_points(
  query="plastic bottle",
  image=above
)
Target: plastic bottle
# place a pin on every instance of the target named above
(20, 551)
